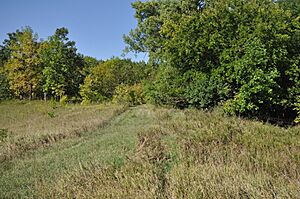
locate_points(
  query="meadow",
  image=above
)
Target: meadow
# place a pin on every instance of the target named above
(49, 150)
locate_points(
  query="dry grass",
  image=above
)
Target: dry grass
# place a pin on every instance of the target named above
(193, 154)
(166, 153)
(27, 125)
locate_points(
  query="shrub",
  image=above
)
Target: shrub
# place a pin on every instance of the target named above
(202, 90)
(4, 87)
(90, 91)
(166, 88)
(192, 88)
(63, 100)
(129, 94)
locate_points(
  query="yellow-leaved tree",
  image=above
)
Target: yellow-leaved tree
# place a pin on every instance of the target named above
(23, 66)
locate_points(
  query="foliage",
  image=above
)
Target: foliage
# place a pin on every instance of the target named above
(291, 5)
(62, 65)
(101, 83)
(5, 51)
(243, 53)
(167, 87)
(63, 100)
(23, 67)
(89, 63)
(4, 87)
(151, 17)
(129, 94)
(298, 110)
(192, 88)
(204, 91)
(32, 67)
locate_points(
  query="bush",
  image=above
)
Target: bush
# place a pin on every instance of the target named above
(63, 100)
(90, 91)
(4, 87)
(132, 95)
(166, 88)
(298, 111)
(192, 88)
(202, 90)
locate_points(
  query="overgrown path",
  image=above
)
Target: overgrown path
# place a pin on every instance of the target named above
(107, 145)
(155, 152)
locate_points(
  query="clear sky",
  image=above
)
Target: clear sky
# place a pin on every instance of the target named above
(97, 26)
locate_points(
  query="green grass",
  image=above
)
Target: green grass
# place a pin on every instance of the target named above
(145, 152)
(29, 125)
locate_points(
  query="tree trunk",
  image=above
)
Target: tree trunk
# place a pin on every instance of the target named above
(30, 92)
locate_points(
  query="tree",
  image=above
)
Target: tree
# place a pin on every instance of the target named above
(152, 16)
(246, 52)
(62, 65)
(89, 63)
(101, 83)
(5, 54)
(292, 5)
(5, 51)
(23, 66)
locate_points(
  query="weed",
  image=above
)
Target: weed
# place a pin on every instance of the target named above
(3, 134)
(51, 114)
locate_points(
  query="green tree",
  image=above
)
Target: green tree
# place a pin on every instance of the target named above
(5, 54)
(62, 65)
(245, 52)
(5, 50)
(89, 63)
(292, 5)
(105, 77)
(23, 66)
(152, 16)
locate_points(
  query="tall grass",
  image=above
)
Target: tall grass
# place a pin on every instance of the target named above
(193, 154)
(27, 125)
(154, 152)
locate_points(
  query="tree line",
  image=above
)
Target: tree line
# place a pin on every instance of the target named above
(53, 69)
(242, 55)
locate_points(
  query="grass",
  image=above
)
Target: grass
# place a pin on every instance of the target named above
(27, 125)
(146, 152)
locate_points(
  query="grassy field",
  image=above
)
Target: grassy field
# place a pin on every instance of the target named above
(111, 151)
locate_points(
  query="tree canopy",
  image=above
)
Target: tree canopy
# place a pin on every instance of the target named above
(246, 53)
(62, 65)
(23, 65)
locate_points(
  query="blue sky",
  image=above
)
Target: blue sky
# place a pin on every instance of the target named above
(97, 26)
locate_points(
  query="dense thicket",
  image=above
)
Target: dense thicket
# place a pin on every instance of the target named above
(242, 54)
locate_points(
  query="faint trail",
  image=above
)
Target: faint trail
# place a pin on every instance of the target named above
(20, 147)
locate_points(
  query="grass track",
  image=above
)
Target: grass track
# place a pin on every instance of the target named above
(106, 145)
(151, 152)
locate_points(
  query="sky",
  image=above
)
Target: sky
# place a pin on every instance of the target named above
(97, 26)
